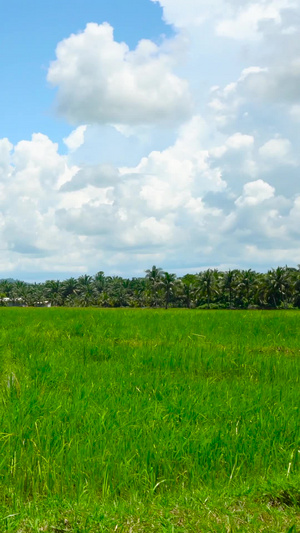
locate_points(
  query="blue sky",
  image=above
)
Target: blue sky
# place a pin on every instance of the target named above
(148, 132)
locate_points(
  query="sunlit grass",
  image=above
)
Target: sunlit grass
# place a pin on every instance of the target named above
(149, 420)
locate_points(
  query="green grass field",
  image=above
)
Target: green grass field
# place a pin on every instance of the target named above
(149, 421)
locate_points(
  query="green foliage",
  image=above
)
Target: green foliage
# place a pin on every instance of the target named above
(149, 420)
(212, 289)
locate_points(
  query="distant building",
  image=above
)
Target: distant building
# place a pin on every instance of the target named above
(19, 302)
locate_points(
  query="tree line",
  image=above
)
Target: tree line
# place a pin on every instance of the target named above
(211, 289)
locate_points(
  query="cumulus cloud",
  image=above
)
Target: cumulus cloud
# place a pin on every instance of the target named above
(28, 195)
(279, 150)
(5, 149)
(278, 83)
(227, 102)
(236, 20)
(190, 13)
(254, 193)
(100, 80)
(275, 79)
(76, 138)
(99, 176)
(247, 21)
(176, 205)
(239, 141)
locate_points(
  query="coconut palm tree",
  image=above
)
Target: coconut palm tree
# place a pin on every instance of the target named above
(19, 292)
(208, 284)
(277, 283)
(168, 284)
(296, 287)
(118, 291)
(6, 287)
(154, 277)
(69, 289)
(246, 284)
(86, 291)
(53, 292)
(188, 289)
(99, 281)
(138, 294)
(105, 300)
(229, 284)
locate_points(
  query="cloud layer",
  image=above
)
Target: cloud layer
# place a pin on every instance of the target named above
(230, 18)
(174, 206)
(224, 193)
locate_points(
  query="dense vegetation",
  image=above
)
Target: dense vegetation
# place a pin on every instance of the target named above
(144, 421)
(238, 289)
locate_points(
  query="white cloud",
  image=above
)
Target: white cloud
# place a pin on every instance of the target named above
(37, 164)
(28, 198)
(176, 205)
(5, 149)
(101, 81)
(278, 150)
(256, 91)
(239, 141)
(242, 21)
(236, 158)
(76, 138)
(183, 167)
(254, 193)
(98, 176)
(295, 112)
(226, 103)
(280, 82)
(189, 13)
(246, 23)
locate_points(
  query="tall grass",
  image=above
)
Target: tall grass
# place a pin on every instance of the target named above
(130, 404)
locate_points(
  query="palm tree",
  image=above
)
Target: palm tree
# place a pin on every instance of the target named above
(6, 287)
(208, 284)
(105, 300)
(154, 277)
(69, 288)
(154, 274)
(138, 293)
(228, 282)
(20, 289)
(99, 281)
(25, 294)
(188, 290)
(168, 283)
(247, 283)
(118, 291)
(296, 287)
(53, 292)
(277, 282)
(86, 291)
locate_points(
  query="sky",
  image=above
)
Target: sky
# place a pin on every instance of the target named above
(148, 132)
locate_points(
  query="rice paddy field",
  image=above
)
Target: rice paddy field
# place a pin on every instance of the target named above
(149, 421)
